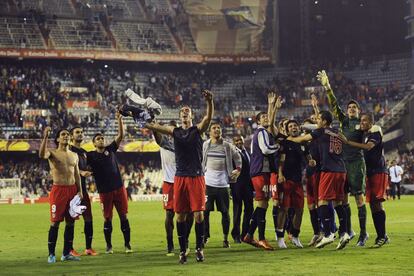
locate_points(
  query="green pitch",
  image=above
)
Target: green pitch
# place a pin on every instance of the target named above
(24, 229)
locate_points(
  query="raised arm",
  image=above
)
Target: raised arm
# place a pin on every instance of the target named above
(205, 122)
(333, 103)
(120, 135)
(43, 151)
(274, 104)
(160, 129)
(315, 106)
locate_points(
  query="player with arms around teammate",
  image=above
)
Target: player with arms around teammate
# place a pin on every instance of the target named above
(332, 177)
(66, 184)
(377, 174)
(77, 139)
(112, 192)
(168, 165)
(218, 158)
(353, 157)
(189, 183)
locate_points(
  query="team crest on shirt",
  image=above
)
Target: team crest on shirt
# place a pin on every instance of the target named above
(302, 148)
(106, 153)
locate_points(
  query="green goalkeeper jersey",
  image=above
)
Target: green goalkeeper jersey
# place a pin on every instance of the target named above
(350, 128)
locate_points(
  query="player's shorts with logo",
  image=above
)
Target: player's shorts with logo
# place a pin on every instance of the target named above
(355, 177)
(377, 185)
(293, 196)
(220, 196)
(312, 183)
(168, 195)
(265, 186)
(331, 186)
(59, 199)
(189, 194)
(117, 198)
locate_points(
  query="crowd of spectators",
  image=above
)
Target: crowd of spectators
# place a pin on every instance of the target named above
(36, 180)
(24, 87)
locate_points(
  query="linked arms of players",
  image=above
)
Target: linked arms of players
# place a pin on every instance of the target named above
(368, 146)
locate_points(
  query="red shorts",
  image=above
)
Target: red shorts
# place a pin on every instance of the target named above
(377, 185)
(265, 186)
(59, 199)
(312, 183)
(189, 194)
(293, 196)
(168, 195)
(118, 198)
(86, 201)
(274, 186)
(331, 186)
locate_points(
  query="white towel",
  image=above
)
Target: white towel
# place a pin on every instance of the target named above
(148, 103)
(75, 209)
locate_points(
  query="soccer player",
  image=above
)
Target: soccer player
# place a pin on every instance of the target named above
(189, 183)
(242, 193)
(262, 167)
(168, 165)
(353, 157)
(377, 182)
(332, 177)
(109, 184)
(291, 164)
(66, 184)
(395, 173)
(218, 159)
(76, 134)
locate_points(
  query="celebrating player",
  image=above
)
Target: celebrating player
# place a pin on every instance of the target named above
(353, 157)
(377, 182)
(105, 170)
(77, 139)
(66, 184)
(189, 183)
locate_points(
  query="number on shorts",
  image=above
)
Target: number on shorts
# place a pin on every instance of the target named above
(53, 208)
(165, 197)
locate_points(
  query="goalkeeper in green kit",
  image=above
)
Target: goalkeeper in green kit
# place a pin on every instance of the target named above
(353, 157)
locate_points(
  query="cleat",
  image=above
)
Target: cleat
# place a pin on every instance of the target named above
(296, 242)
(314, 240)
(351, 234)
(128, 249)
(226, 244)
(343, 241)
(265, 245)
(74, 253)
(170, 253)
(249, 240)
(325, 241)
(362, 240)
(91, 252)
(69, 257)
(320, 237)
(380, 242)
(182, 258)
(109, 250)
(51, 259)
(237, 240)
(281, 243)
(199, 255)
(187, 251)
(206, 240)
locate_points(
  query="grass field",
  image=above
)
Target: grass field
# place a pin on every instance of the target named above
(23, 247)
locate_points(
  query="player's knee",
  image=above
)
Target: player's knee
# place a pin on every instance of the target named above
(123, 217)
(55, 224)
(180, 217)
(199, 216)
